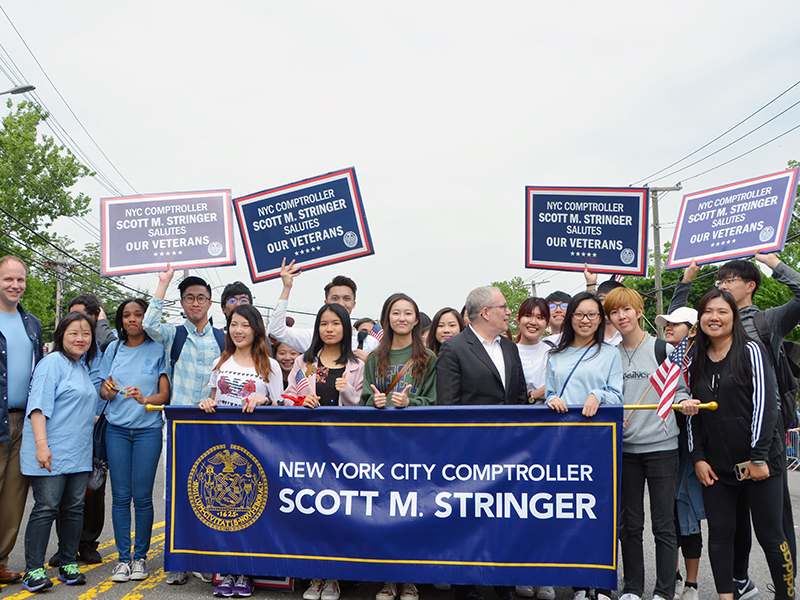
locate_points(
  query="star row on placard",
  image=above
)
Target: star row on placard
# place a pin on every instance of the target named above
(583, 254)
(168, 253)
(724, 242)
(306, 250)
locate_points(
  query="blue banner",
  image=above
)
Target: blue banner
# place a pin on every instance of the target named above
(734, 221)
(488, 496)
(315, 222)
(566, 227)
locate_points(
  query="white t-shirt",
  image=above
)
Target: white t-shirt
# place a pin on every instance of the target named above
(534, 363)
(235, 383)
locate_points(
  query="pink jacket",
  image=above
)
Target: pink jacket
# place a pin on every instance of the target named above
(353, 373)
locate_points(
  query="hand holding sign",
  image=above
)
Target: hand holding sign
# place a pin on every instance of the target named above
(288, 273)
(771, 260)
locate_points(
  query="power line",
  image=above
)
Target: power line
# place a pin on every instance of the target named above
(726, 146)
(718, 137)
(744, 154)
(64, 101)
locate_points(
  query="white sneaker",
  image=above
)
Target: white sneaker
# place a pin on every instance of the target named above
(580, 595)
(690, 593)
(388, 591)
(657, 597)
(314, 590)
(524, 591)
(679, 583)
(139, 570)
(546, 592)
(602, 597)
(330, 591)
(409, 592)
(121, 573)
(629, 597)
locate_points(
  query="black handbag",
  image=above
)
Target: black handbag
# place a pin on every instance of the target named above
(99, 435)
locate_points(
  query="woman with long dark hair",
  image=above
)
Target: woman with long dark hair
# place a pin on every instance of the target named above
(737, 449)
(56, 450)
(401, 371)
(334, 376)
(445, 324)
(333, 372)
(243, 376)
(134, 373)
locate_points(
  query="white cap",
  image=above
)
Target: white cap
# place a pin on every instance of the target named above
(683, 314)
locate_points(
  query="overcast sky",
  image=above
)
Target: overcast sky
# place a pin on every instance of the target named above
(447, 110)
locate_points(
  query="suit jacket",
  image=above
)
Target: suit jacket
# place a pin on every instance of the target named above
(465, 373)
(353, 373)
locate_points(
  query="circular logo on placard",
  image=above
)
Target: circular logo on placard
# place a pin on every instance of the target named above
(227, 488)
(215, 248)
(350, 239)
(766, 234)
(627, 256)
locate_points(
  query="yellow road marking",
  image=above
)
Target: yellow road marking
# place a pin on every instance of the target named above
(111, 557)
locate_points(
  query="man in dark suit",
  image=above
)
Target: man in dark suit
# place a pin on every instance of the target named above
(480, 365)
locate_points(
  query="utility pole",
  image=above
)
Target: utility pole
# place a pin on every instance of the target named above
(58, 266)
(533, 287)
(657, 246)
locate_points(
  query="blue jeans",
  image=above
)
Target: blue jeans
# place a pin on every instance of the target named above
(60, 495)
(132, 461)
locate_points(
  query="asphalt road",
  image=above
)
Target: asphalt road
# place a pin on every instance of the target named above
(100, 586)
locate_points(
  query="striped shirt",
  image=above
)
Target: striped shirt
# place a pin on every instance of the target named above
(192, 371)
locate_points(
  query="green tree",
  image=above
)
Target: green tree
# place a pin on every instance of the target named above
(515, 292)
(36, 175)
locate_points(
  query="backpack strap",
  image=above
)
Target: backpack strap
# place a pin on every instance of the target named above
(177, 345)
(181, 334)
(760, 321)
(660, 350)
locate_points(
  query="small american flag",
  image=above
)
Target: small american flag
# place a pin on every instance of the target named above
(301, 384)
(665, 379)
(376, 332)
(618, 278)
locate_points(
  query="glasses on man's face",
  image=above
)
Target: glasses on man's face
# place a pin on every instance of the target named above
(232, 301)
(728, 281)
(189, 299)
(561, 305)
(503, 306)
(591, 316)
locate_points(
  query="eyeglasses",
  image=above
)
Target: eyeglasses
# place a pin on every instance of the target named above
(561, 305)
(189, 299)
(728, 281)
(592, 316)
(503, 306)
(232, 301)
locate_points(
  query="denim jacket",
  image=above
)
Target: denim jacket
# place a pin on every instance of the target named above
(34, 329)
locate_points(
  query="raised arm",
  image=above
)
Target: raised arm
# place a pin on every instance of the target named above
(680, 297)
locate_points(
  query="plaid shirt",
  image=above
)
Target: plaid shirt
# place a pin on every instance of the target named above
(193, 370)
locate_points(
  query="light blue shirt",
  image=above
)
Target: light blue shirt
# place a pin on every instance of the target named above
(598, 373)
(63, 391)
(140, 366)
(192, 372)
(19, 361)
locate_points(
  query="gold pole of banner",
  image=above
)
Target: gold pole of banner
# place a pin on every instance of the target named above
(708, 406)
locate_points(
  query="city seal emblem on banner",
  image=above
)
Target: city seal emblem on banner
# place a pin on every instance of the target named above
(227, 488)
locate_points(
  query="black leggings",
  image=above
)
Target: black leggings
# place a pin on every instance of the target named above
(691, 545)
(766, 503)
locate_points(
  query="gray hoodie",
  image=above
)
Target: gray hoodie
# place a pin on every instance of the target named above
(645, 431)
